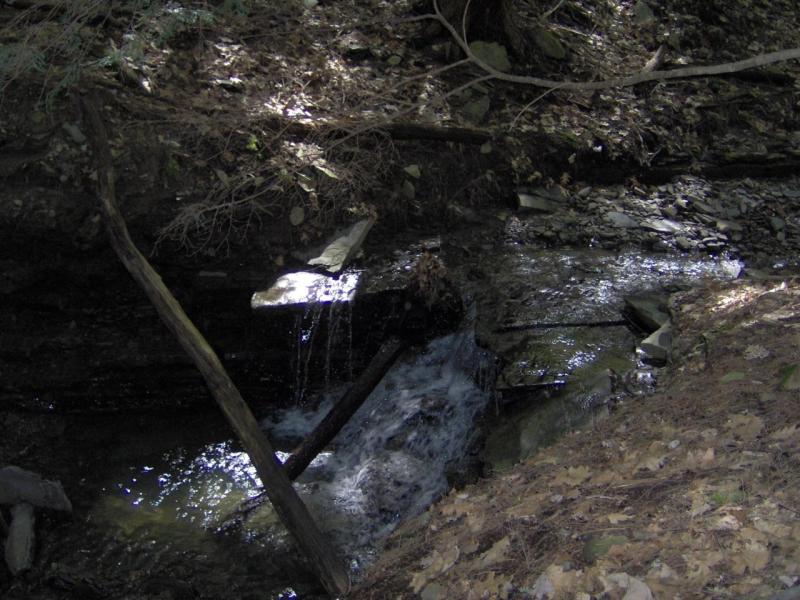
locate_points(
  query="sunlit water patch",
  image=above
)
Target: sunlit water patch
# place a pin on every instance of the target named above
(387, 464)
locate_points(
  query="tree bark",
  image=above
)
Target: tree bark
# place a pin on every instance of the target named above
(489, 21)
(288, 505)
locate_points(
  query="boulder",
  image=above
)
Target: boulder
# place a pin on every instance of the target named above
(21, 486)
(621, 220)
(648, 311)
(655, 348)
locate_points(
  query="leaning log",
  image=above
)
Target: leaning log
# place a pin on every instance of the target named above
(329, 427)
(288, 505)
(345, 408)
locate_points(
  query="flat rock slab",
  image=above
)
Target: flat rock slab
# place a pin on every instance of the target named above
(305, 287)
(662, 225)
(649, 311)
(343, 249)
(655, 348)
(20, 486)
(621, 220)
(535, 203)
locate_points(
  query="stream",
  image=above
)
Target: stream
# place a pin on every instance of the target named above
(158, 490)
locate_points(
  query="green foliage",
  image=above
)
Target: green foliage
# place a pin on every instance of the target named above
(238, 8)
(174, 21)
(172, 168)
(60, 47)
(252, 143)
(726, 498)
(20, 57)
(493, 54)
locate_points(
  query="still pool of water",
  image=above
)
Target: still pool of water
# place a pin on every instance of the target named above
(388, 464)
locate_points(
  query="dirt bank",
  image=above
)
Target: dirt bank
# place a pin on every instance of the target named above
(689, 493)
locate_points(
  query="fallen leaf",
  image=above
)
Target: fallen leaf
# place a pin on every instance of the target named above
(699, 565)
(529, 506)
(615, 518)
(700, 459)
(787, 433)
(492, 53)
(597, 547)
(297, 215)
(493, 586)
(790, 378)
(223, 177)
(414, 171)
(732, 376)
(752, 557)
(726, 522)
(437, 564)
(635, 589)
(745, 427)
(572, 476)
(495, 554)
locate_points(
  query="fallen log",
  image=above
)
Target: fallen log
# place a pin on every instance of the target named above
(322, 557)
(341, 412)
(526, 326)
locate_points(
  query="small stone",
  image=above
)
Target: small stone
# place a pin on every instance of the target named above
(662, 225)
(704, 207)
(543, 588)
(656, 347)
(584, 192)
(669, 211)
(74, 133)
(684, 243)
(535, 202)
(650, 310)
(777, 224)
(726, 226)
(621, 220)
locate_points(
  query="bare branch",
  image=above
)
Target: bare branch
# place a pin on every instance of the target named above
(721, 69)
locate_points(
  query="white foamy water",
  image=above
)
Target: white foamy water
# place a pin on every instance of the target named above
(389, 463)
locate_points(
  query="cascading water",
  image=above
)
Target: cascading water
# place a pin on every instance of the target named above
(307, 328)
(390, 461)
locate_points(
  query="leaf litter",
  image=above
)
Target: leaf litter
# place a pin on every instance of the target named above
(675, 495)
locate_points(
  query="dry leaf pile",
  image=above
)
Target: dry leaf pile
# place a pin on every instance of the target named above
(690, 493)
